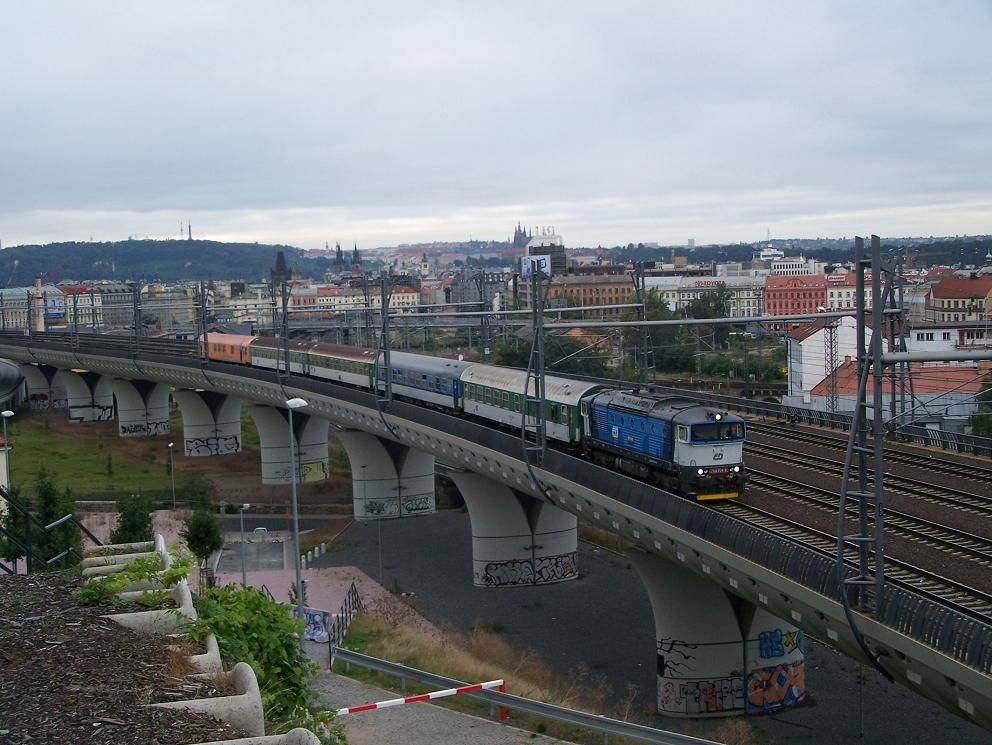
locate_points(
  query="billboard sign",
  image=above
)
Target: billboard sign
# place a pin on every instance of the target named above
(531, 264)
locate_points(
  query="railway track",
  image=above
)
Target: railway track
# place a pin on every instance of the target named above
(823, 439)
(959, 543)
(966, 600)
(928, 492)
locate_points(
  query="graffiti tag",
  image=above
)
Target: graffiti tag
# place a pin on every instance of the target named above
(205, 446)
(771, 688)
(144, 429)
(701, 696)
(382, 507)
(423, 503)
(526, 572)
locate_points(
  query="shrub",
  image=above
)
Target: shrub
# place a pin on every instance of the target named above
(252, 628)
(202, 534)
(134, 522)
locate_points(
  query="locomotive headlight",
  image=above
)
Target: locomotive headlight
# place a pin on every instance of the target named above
(700, 472)
(718, 417)
(737, 469)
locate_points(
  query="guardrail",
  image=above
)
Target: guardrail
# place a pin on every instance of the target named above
(593, 722)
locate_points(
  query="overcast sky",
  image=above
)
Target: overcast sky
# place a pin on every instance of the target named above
(381, 123)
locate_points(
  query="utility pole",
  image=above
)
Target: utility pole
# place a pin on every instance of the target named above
(534, 432)
(645, 355)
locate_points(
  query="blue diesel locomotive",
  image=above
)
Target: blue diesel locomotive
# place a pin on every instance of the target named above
(679, 444)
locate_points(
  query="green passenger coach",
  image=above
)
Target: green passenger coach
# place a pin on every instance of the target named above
(497, 394)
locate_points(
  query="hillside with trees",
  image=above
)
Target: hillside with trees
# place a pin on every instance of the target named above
(150, 260)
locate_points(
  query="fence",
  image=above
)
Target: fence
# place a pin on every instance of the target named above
(342, 619)
(23, 544)
(495, 699)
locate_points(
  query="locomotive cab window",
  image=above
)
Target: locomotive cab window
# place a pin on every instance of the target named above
(683, 433)
(717, 432)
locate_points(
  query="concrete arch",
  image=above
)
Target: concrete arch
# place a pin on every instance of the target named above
(516, 539)
(45, 390)
(309, 438)
(211, 422)
(717, 655)
(90, 397)
(388, 479)
(142, 407)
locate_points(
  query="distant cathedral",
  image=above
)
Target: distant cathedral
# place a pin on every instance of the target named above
(520, 237)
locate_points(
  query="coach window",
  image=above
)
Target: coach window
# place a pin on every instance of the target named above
(506, 399)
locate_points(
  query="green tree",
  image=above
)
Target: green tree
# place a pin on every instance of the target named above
(670, 351)
(134, 520)
(562, 354)
(202, 534)
(981, 422)
(12, 521)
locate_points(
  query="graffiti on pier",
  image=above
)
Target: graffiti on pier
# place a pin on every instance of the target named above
(382, 507)
(775, 643)
(701, 696)
(60, 403)
(38, 402)
(91, 413)
(675, 657)
(772, 688)
(422, 503)
(143, 429)
(543, 570)
(313, 471)
(204, 446)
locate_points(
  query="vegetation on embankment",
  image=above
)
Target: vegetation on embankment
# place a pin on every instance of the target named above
(486, 655)
(93, 460)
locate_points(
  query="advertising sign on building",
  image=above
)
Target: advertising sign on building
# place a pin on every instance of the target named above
(529, 264)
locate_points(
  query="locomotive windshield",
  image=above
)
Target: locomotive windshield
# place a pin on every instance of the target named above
(718, 431)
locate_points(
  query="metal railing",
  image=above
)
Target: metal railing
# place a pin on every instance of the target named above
(592, 722)
(342, 619)
(31, 524)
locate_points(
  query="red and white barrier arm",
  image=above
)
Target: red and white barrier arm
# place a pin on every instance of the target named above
(427, 697)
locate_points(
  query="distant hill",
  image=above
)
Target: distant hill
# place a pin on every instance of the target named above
(148, 260)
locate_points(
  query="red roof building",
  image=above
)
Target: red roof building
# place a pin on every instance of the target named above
(959, 299)
(795, 294)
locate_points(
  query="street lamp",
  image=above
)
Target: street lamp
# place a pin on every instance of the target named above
(295, 403)
(6, 414)
(172, 475)
(244, 574)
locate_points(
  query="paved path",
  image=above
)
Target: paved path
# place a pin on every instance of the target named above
(413, 723)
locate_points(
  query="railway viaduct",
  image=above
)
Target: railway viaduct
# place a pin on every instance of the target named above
(731, 602)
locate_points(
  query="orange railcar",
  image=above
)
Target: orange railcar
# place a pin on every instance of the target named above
(229, 347)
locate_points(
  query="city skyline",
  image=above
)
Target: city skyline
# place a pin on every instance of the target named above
(389, 124)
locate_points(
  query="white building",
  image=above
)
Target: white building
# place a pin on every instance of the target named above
(808, 355)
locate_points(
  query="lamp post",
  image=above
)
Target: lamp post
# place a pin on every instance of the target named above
(291, 404)
(6, 414)
(244, 573)
(172, 475)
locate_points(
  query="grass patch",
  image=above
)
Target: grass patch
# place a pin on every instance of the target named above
(93, 460)
(478, 656)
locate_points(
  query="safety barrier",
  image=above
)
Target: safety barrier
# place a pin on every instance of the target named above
(592, 722)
